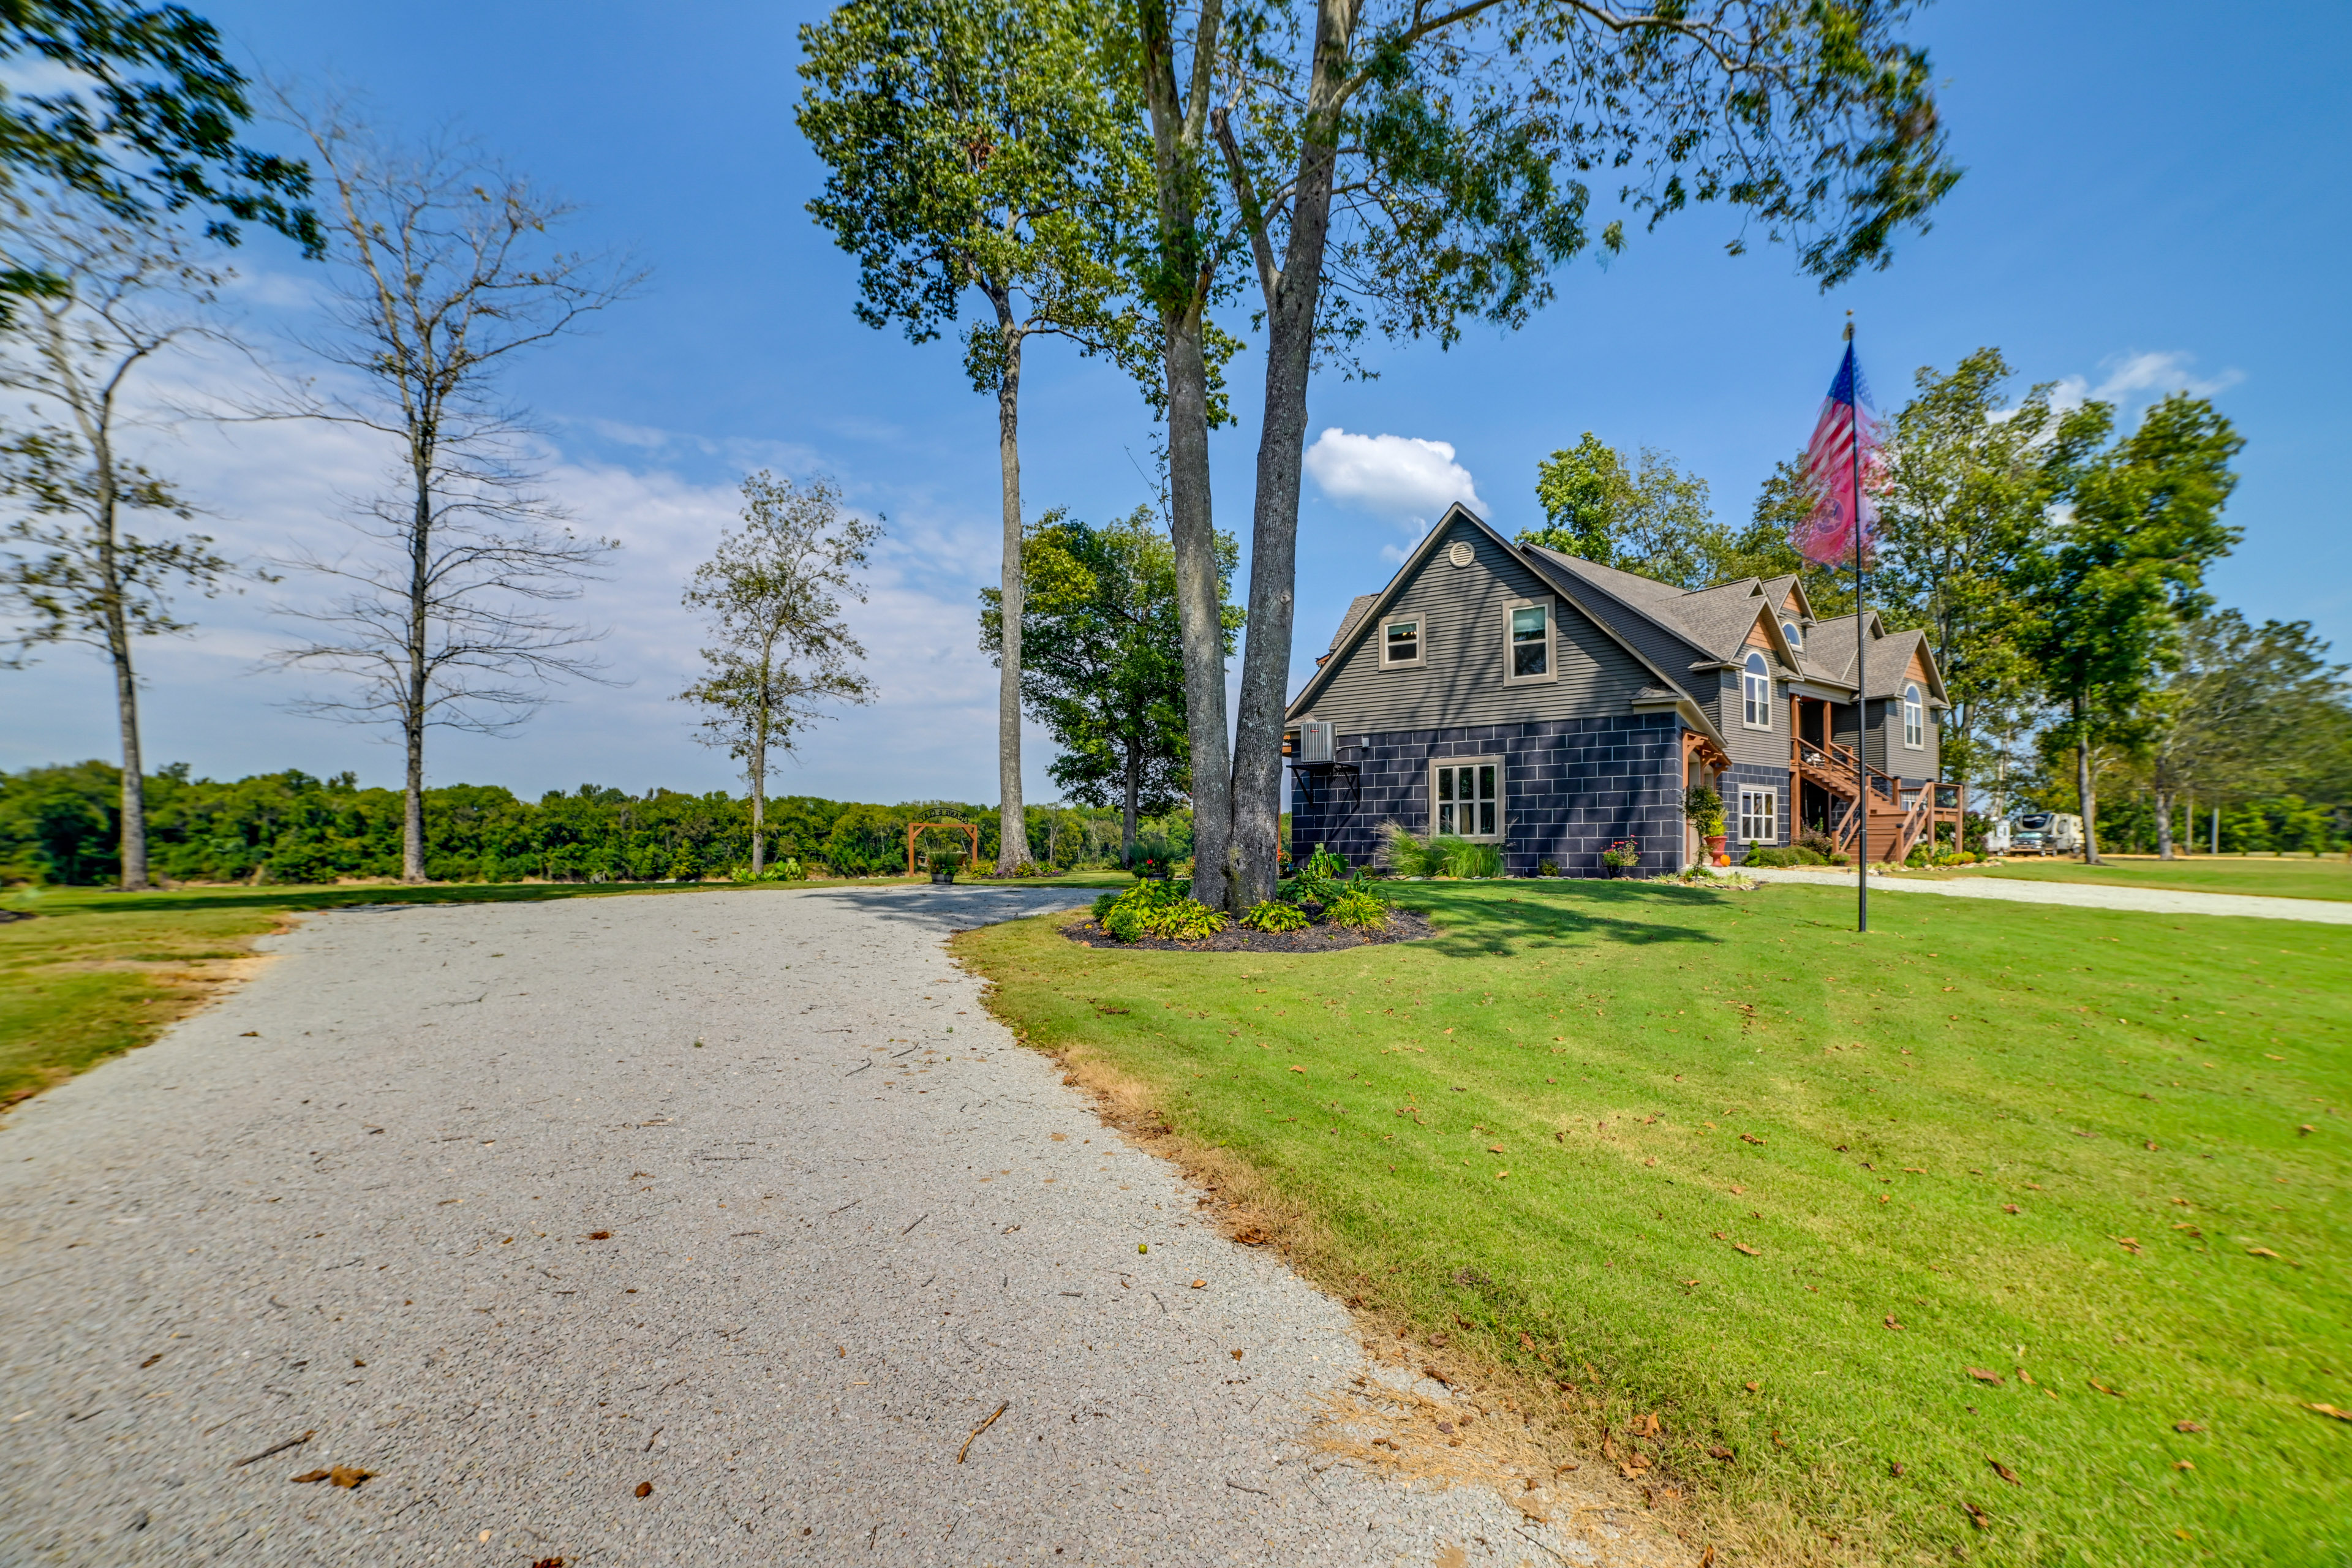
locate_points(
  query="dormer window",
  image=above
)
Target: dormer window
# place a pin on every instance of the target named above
(1756, 694)
(1401, 642)
(1795, 637)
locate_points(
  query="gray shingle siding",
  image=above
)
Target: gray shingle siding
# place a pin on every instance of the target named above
(1570, 788)
(1459, 680)
(1760, 747)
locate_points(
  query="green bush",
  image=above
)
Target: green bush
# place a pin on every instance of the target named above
(1548, 869)
(1275, 916)
(1792, 855)
(1358, 907)
(1156, 908)
(1463, 858)
(1704, 807)
(1407, 853)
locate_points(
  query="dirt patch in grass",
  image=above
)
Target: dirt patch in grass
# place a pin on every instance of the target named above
(1405, 925)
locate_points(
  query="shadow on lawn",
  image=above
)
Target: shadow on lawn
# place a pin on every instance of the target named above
(1490, 922)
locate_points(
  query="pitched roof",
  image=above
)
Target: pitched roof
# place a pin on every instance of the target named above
(1830, 655)
(1358, 608)
(1365, 606)
(1712, 622)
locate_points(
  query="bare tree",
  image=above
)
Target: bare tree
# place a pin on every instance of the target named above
(774, 597)
(445, 616)
(116, 295)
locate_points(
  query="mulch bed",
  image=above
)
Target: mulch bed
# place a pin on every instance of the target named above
(1405, 925)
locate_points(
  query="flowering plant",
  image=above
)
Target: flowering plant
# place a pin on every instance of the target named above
(1625, 852)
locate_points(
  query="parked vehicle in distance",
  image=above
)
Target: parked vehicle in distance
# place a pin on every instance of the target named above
(1996, 839)
(2046, 833)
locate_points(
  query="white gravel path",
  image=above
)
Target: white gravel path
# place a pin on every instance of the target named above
(848, 1218)
(2151, 900)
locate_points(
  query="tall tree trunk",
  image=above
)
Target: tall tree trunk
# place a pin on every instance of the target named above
(1134, 789)
(1180, 290)
(414, 709)
(1011, 821)
(133, 842)
(2082, 785)
(2164, 825)
(1281, 452)
(1200, 624)
(2189, 824)
(759, 798)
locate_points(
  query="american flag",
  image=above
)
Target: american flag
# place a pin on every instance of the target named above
(1844, 448)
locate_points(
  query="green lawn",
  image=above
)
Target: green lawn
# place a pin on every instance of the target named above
(100, 972)
(2058, 1145)
(2294, 877)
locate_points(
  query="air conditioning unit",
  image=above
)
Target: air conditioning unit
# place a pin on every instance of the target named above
(1316, 738)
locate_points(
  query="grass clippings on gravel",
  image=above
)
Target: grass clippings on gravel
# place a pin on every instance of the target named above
(1873, 1224)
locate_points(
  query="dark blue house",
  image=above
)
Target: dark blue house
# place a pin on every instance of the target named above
(1515, 696)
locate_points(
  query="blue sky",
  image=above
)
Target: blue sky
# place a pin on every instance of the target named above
(2152, 200)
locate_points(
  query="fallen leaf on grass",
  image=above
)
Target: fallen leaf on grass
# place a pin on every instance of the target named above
(2103, 1388)
(1982, 1375)
(1494, 1147)
(1891, 1324)
(1743, 1247)
(2189, 1425)
(1297, 1069)
(2331, 1410)
(2004, 1471)
(1751, 1138)
(2009, 1208)
(2259, 1252)
(2131, 1244)
(1720, 1452)
(1977, 1516)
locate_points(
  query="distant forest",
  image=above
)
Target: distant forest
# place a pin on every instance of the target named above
(60, 825)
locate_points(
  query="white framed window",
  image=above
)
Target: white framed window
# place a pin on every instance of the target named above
(1759, 816)
(1401, 642)
(1466, 797)
(1756, 693)
(1789, 629)
(1914, 719)
(1527, 641)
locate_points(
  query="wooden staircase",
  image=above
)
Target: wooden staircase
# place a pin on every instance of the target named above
(1895, 830)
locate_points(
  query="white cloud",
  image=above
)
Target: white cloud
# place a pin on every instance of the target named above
(1404, 479)
(2142, 377)
(269, 489)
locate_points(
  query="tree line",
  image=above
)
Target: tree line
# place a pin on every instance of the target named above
(2058, 566)
(59, 824)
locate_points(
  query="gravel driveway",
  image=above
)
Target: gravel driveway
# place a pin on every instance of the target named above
(738, 1196)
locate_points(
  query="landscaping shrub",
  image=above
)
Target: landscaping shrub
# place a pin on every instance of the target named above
(1158, 908)
(1358, 907)
(1275, 916)
(1546, 868)
(1460, 858)
(1408, 853)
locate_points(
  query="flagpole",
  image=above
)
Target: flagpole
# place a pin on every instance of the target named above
(1861, 644)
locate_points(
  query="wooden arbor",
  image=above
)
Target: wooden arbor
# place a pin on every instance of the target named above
(913, 827)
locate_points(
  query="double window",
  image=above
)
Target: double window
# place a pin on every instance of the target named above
(1401, 642)
(1527, 641)
(1759, 816)
(1914, 719)
(1467, 796)
(1756, 693)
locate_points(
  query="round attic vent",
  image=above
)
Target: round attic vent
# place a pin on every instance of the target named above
(1458, 552)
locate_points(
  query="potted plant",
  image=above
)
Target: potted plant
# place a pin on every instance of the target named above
(1621, 857)
(944, 865)
(1705, 809)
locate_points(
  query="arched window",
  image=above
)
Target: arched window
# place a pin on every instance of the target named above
(1914, 719)
(1756, 694)
(1789, 629)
